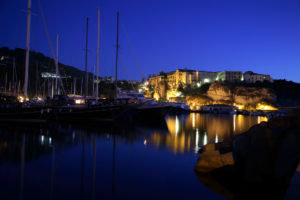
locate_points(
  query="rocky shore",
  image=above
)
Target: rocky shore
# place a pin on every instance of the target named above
(257, 164)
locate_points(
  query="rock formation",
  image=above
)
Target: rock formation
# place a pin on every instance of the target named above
(160, 90)
(258, 163)
(220, 91)
(252, 95)
(194, 101)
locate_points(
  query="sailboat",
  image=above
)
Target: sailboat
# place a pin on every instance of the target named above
(18, 113)
(113, 112)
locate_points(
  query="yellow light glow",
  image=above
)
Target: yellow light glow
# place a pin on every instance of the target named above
(206, 80)
(205, 139)
(239, 106)
(234, 126)
(197, 141)
(194, 120)
(79, 101)
(176, 125)
(261, 119)
(156, 96)
(265, 107)
(21, 99)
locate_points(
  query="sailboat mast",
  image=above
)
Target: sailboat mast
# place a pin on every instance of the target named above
(117, 51)
(56, 66)
(93, 85)
(5, 83)
(98, 44)
(36, 79)
(27, 49)
(86, 48)
(13, 76)
(81, 86)
(74, 88)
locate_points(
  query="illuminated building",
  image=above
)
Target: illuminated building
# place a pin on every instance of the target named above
(168, 85)
(251, 77)
(229, 76)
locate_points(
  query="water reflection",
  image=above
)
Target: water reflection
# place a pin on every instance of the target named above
(188, 133)
(109, 162)
(21, 148)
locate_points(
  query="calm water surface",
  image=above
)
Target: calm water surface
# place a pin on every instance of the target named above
(73, 162)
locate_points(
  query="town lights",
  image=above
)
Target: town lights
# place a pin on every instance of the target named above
(178, 94)
(206, 80)
(21, 99)
(79, 101)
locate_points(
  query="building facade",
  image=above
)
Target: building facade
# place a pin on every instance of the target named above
(251, 77)
(229, 76)
(206, 77)
(167, 85)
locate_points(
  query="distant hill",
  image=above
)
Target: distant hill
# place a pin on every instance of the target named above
(39, 63)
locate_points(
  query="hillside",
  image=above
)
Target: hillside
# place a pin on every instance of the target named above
(40, 63)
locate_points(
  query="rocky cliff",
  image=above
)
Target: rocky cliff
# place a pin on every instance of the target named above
(195, 101)
(220, 91)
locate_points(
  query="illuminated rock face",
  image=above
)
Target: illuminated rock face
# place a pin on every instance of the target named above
(195, 101)
(160, 90)
(220, 91)
(243, 95)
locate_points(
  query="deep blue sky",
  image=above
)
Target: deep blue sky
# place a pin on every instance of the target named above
(210, 35)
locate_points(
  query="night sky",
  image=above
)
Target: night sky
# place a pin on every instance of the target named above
(210, 35)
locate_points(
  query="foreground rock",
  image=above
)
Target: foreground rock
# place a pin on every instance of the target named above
(257, 164)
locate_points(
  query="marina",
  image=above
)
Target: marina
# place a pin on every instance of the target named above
(149, 100)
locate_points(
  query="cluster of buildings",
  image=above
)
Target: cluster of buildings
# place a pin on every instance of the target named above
(194, 78)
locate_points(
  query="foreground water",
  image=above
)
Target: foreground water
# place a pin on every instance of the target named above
(92, 162)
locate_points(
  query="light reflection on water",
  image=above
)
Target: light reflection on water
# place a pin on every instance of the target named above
(189, 132)
(73, 162)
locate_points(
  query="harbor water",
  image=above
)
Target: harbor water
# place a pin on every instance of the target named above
(69, 161)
